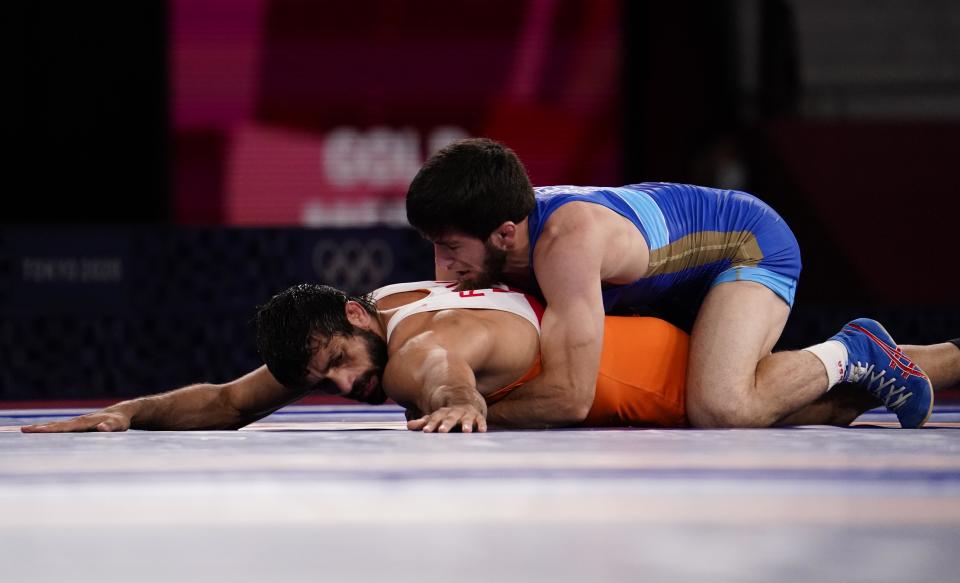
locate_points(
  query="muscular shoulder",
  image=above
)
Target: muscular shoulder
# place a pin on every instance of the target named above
(593, 238)
(574, 216)
(572, 226)
(454, 330)
(581, 220)
(431, 344)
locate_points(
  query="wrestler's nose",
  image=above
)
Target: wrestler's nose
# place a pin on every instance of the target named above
(444, 256)
(343, 379)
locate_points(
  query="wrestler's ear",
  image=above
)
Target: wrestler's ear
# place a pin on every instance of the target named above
(504, 237)
(357, 315)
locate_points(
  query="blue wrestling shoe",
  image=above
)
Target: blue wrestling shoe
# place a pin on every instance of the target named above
(876, 363)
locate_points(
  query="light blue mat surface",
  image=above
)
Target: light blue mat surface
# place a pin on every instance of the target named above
(345, 493)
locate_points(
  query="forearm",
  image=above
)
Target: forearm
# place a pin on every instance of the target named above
(571, 338)
(538, 405)
(434, 375)
(563, 393)
(202, 406)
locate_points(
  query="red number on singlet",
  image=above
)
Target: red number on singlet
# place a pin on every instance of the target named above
(471, 294)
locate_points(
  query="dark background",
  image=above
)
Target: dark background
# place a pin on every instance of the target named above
(123, 270)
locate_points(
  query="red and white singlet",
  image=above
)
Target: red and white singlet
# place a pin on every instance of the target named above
(442, 295)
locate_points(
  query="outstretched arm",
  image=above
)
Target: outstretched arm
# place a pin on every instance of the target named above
(433, 373)
(571, 337)
(203, 406)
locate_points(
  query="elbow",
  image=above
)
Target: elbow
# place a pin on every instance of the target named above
(576, 413)
(235, 425)
(575, 409)
(581, 403)
(225, 412)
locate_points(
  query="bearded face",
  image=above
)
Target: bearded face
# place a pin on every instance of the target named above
(491, 270)
(477, 264)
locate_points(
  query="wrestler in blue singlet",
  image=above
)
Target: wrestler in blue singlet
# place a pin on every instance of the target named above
(698, 237)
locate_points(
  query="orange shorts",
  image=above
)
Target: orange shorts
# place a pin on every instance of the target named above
(643, 372)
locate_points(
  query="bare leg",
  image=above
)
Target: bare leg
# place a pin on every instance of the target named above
(840, 406)
(941, 362)
(845, 402)
(732, 378)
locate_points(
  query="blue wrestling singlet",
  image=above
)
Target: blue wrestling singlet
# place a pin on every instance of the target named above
(698, 237)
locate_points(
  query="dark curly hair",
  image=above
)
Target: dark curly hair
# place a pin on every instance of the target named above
(471, 186)
(288, 325)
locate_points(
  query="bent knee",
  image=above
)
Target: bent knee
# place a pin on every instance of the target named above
(726, 407)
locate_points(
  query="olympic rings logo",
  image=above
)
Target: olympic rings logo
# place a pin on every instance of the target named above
(352, 265)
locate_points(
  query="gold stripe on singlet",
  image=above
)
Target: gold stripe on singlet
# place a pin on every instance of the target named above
(704, 247)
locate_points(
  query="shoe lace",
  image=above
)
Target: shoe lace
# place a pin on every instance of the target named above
(879, 386)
